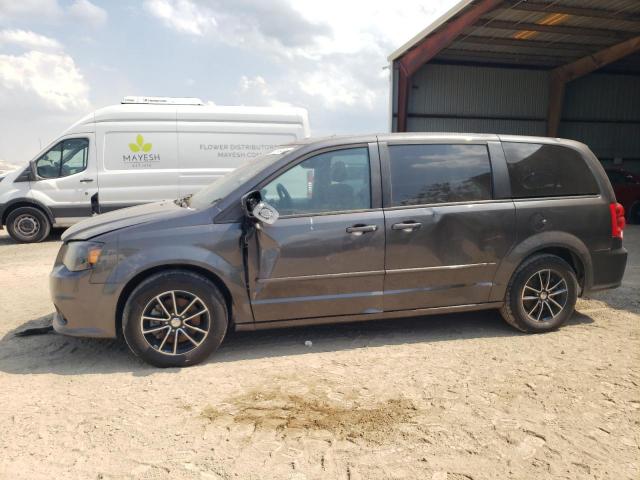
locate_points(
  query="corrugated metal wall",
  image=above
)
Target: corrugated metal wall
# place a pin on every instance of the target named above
(602, 110)
(478, 99)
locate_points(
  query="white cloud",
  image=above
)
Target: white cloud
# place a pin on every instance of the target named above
(336, 48)
(338, 89)
(27, 8)
(28, 39)
(361, 25)
(272, 26)
(52, 78)
(87, 12)
(182, 15)
(256, 91)
(50, 11)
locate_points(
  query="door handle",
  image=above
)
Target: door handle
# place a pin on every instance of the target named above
(86, 180)
(360, 229)
(406, 226)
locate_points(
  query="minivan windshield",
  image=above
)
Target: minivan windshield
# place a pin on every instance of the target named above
(225, 185)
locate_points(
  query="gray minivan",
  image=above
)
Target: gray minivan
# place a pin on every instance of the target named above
(346, 229)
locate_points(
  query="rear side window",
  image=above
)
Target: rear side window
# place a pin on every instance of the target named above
(425, 174)
(538, 170)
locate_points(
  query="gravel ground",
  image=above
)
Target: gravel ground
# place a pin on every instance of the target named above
(443, 397)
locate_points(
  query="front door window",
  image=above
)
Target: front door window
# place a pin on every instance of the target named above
(65, 158)
(336, 181)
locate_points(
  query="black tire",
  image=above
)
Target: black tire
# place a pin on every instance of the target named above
(519, 308)
(28, 225)
(183, 283)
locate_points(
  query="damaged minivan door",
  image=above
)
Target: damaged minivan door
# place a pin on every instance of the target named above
(324, 255)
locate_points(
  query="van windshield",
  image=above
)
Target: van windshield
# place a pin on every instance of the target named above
(223, 186)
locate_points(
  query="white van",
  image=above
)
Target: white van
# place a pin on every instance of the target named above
(144, 150)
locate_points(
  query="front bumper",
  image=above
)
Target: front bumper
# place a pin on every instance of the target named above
(83, 309)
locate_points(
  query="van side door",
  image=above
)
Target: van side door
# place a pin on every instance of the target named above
(67, 178)
(138, 161)
(210, 148)
(324, 256)
(448, 222)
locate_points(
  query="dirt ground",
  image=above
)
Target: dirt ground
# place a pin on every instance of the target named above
(443, 397)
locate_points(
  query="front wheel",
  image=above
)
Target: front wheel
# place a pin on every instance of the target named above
(28, 225)
(541, 295)
(174, 319)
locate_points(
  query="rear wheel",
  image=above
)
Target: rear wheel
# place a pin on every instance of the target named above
(175, 319)
(28, 225)
(541, 295)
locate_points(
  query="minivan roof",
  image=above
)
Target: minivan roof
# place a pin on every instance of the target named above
(433, 137)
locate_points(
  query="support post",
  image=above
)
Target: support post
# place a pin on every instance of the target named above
(403, 100)
(556, 100)
(559, 77)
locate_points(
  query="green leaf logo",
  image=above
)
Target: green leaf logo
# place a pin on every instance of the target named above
(140, 145)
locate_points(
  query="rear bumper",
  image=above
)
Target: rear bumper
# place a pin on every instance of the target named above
(608, 269)
(83, 309)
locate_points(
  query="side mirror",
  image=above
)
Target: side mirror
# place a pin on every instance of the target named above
(33, 172)
(265, 213)
(256, 208)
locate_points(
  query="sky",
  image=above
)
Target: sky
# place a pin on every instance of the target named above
(61, 59)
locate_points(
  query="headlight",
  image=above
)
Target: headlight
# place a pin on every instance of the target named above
(81, 255)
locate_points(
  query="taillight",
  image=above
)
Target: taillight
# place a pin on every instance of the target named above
(617, 220)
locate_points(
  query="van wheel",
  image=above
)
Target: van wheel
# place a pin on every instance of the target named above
(174, 319)
(28, 225)
(541, 295)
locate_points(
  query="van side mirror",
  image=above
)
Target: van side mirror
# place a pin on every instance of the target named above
(256, 208)
(33, 171)
(27, 175)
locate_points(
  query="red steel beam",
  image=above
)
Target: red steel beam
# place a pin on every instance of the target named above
(560, 76)
(429, 47)
(403, 100)
(433, 44)
(593, 62)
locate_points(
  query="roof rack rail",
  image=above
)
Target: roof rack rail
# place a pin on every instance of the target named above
(162, 100)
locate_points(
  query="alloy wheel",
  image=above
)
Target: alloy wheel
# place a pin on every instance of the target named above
(544, 295)
(175, 322)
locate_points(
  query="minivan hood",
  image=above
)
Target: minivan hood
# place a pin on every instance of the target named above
(125, 217)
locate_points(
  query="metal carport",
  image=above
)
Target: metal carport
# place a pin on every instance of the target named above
(567, 68)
